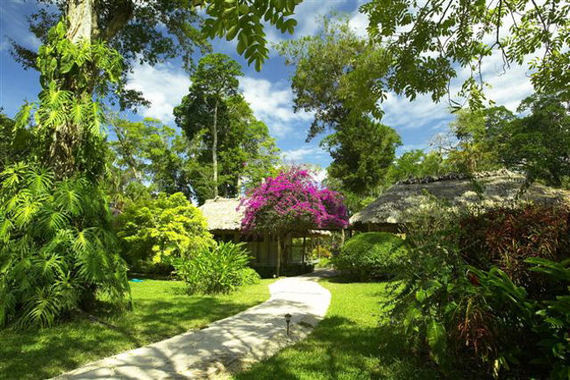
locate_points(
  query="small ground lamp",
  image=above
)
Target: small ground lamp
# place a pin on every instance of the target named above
(288, 320)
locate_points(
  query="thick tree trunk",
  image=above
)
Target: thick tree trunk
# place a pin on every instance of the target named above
(215, 149)
(82, 20)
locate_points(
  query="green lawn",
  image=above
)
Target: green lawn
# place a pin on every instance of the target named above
(161, 311)
(349, 343)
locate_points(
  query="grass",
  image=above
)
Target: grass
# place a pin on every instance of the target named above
(354, 341)
(161, 310)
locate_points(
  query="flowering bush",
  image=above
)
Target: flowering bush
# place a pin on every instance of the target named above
(293, 201)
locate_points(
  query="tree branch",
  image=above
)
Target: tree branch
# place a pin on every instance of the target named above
(123, 14)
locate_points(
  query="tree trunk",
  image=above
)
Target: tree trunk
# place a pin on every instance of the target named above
(82, 20)
(215, 149)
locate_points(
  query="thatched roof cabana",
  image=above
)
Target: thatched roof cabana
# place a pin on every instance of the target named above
(486, 188)
(224, 214)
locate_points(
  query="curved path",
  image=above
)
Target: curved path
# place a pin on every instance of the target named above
(226, 345)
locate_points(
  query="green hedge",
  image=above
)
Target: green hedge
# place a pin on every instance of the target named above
(371, 255)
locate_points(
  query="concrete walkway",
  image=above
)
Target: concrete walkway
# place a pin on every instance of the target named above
(225, 346)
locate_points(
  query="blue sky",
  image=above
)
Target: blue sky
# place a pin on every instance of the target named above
(268, 91)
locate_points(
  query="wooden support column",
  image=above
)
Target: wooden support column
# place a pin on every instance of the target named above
(278, 267)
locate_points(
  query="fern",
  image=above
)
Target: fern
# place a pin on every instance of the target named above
(57, 247)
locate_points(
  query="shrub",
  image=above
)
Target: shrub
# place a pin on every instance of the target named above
(371, 255)
(156, 230)
(506, 237)
(57, 247)
(220, 269)
(461, 301)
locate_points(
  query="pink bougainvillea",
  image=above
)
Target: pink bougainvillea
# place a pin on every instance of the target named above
(293, 201)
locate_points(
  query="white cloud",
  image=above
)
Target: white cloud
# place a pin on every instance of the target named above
(402, 114)
(308, 15)
(507, 87)
(359, 22)
(272, 103)
(163, 85)
(409, 147)
(301, 154)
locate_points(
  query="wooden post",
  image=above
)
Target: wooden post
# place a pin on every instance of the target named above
(278, 268)
(304, 250)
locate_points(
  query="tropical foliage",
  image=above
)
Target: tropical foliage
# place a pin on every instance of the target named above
(491, 297)
(151, 154)
(218, 269)
(161, 229)
(57, 250)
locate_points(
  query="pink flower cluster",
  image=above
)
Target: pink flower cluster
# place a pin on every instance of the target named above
(293, 201)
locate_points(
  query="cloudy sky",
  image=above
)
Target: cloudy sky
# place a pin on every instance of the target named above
(268, 91)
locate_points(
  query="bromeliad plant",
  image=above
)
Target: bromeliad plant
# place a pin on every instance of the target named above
(57, 251)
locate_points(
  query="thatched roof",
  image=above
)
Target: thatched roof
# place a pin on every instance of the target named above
(223, 214)
(488, 188)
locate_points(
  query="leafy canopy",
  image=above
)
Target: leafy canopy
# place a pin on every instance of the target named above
(362, 155)
(430, 42)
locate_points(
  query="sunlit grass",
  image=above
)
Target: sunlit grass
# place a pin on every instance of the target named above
(354, 341)
(161, 310)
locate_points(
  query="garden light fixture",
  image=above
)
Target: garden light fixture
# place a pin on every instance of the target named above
(288, 320)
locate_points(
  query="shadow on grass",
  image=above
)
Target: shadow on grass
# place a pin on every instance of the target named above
(42, 353)
(341, 349)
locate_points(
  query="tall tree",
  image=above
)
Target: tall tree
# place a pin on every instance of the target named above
(333, 69)
(213, 83)
(362, 154)
(231, 142)
(477, 133)
(246, 152)
(539, 143)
